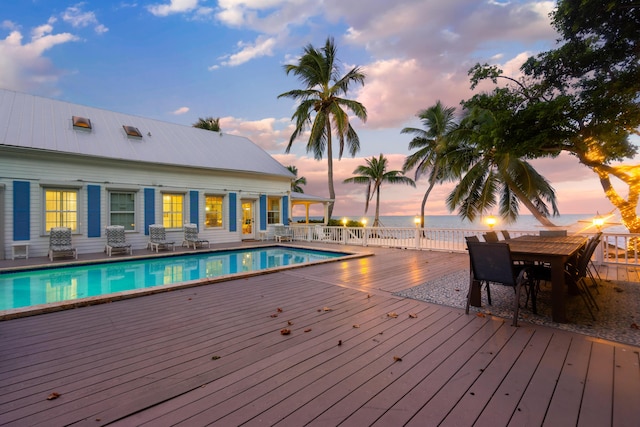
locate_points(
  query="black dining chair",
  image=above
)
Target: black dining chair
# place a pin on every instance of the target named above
(490, 236)
(579, 273)
(491, 262)
(505, 234)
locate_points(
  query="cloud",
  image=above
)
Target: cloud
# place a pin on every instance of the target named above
(180, 111)
(263, 46)
(77, 18)
(271, 134)
(174, 6)
(23, 66)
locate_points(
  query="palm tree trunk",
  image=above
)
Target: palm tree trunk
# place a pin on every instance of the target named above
(376, 220)
(530, 206)
(432, 183)
(332, 191)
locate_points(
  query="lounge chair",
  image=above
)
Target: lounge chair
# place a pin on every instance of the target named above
(158, 238)
(116, 240)
(60, 243)
(282, 233)
(191, 237)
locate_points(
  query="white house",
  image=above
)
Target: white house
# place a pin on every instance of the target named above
(64, 164)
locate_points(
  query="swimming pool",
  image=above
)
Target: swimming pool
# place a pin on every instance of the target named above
(34, 287)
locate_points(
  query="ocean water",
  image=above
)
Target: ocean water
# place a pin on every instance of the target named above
(573, 223)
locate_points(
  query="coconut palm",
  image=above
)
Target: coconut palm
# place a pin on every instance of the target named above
(298, 181)
(374, 174)
(208, 123)
(321, 108)
(493, 174)
(432, 144)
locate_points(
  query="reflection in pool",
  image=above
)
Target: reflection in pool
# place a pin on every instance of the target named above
(46, 285)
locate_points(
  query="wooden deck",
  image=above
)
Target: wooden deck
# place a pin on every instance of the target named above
(215, 355)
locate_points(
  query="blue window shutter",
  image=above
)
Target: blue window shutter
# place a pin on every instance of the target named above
(263, 212)
(93, 211)
(285, 210)
(149, 208)
(232, 212)
(193, 206)
(21, 210)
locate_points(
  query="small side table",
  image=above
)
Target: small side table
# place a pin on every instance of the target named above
(264, 235)
(20, 250)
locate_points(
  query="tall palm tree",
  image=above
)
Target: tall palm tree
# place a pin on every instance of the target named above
(208, 123)
(296, 183)
(493, 174)
(432, 144)
(321, 108)
(374, 174)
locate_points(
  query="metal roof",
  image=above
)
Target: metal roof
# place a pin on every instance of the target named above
(38, 123)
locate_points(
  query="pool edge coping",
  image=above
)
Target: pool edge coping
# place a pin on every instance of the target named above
(135, 293)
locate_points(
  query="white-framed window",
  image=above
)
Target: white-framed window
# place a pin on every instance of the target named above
(173, 210)
(213, 217)
(61, 208)
(122, 209)
(273, 210)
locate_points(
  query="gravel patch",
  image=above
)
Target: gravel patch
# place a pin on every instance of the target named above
(617, 320)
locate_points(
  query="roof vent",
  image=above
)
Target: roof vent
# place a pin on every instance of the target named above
(132, 131)
(81, 122)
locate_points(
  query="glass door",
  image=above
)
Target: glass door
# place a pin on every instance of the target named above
(248, 221)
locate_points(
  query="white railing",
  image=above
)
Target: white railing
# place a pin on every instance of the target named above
(615, 248)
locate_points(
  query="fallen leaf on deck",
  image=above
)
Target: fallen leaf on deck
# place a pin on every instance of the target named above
(274, 315)
(413, 316)
(480, 315)
(279, 310)
(326, 309)
(392, 314)
(308, 330)
(397, 359)
(285, 331)
(340, 342)
(215, 357)
(635, 326)
(356, 326)
(53, 395)
(368, 295)
(289, 322)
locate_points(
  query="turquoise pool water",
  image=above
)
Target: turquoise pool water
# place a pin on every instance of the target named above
(49, 285)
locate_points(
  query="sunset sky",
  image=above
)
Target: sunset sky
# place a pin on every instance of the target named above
(180, 60)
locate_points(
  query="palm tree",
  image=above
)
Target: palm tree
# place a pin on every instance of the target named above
(208, 123)
(493, 174)
(296, 183)
(321, 108)
(432, 144)
(373, 174)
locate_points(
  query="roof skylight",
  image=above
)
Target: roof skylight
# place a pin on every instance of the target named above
(81, 122)
(132, 131)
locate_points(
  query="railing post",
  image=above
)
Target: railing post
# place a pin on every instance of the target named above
(600, 252)
(417, 236)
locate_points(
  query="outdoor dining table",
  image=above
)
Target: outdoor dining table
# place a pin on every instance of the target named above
(553, 250)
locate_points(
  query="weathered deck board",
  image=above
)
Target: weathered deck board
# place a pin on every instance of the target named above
(148, 361)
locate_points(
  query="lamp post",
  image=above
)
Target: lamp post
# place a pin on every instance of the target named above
(364, 231)
(598, 221)
(344, 231)
(416, 220)
(491, 221)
